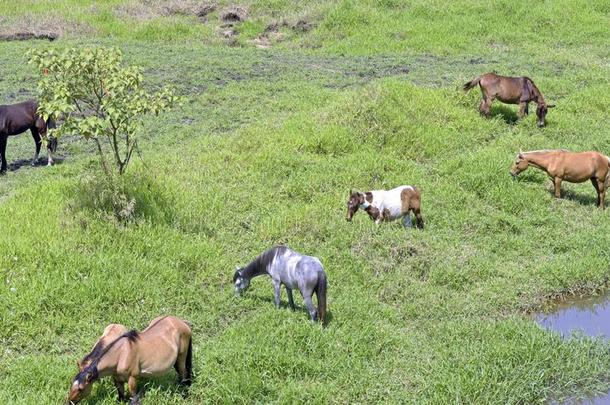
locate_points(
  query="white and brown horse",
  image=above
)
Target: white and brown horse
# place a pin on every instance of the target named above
(569, 166)
(387, 205)
(164, 344)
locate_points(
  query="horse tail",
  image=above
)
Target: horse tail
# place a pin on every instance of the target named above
(472, 83)
(321, 294)
(607, 181)
(189, 361)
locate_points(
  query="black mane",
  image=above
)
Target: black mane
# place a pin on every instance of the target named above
(259, 265)
(99, 352)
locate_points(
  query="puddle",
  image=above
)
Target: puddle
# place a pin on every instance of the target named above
(588, 316)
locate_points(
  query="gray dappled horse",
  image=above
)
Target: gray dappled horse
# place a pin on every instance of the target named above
(18, 118)
(293, 270)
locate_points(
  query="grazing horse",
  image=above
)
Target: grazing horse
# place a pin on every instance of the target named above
(18, 118)
(510, 90)
(387, 205)
(166, 342)
(293, 270)
(569, 166)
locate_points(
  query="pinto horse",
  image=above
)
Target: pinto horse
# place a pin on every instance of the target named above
(569, 166)
(387, 205)
(510, 90)
(18, 118)
(166, 342)
(293, 270)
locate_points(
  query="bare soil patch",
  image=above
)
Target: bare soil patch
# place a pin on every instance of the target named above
(31, 26)
(143, 10)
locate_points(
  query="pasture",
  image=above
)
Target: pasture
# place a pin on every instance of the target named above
(282, 119)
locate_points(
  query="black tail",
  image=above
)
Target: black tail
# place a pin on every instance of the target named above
(472, 83)
(189, 363)
(321, 294)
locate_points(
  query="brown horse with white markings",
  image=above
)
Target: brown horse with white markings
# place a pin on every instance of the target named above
(569, 166)
(18, 118)
(510, 90)
(166, 342)
(387, 205)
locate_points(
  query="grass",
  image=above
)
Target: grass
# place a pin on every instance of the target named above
(265, 151)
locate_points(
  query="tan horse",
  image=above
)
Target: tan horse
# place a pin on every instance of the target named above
(569, 166)
(111, 332)
(166, 342)
(510, 90)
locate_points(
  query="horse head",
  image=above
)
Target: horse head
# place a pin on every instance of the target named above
(541, 111)
(241, 283)
(519, 165)
(355, 199)
(82, 384)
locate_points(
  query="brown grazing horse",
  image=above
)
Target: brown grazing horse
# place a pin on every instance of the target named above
(166, 342)
(18, 118)
(387, 205)
(569, 166)
(510, 90)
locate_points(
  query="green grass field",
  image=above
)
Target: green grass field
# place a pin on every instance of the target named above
(265, 151)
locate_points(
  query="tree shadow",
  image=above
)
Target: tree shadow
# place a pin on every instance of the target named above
(506, 113)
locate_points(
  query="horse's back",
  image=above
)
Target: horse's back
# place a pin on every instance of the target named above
(18, 118)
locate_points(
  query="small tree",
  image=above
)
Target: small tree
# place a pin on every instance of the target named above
(98, 98)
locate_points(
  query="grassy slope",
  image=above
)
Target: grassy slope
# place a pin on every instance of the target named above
(265, 153)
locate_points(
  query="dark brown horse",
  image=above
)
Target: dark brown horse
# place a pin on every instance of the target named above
(569, 166)
(18, 118)
(510, 90)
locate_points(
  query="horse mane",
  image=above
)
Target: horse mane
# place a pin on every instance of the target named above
(546, 151)
(98, 353)
(262, 261)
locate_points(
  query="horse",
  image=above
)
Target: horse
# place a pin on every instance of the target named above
(510, 90)
(18, 118)
(293, 270)
(166, 342)
(569, 166)
(387, 205)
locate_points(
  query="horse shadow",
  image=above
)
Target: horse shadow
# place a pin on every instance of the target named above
(299, 307)
(506, 113)
(582, 199)
(167, 383)
(42, 161)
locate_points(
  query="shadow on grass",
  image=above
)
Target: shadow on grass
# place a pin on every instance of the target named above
(506, 113)
(298, 303)
(167, 383)
(582, 199)
(42, 161)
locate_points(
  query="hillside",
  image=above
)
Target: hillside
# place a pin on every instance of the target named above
(285, 114)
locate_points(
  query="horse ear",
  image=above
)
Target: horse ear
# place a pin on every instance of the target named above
(78, 364)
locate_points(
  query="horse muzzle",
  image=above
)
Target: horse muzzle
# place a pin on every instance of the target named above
(541, 124)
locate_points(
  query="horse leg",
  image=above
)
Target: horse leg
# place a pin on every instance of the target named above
(132, 383)
(313, 313)
(601, 194)
(485, 106)
(597, 190)
(557, 182)
(290, 300)
(37, 142)
(406, 221)
(277, 292)
(120, 387)
(523, 109)
(420, 219)
(3, 139)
